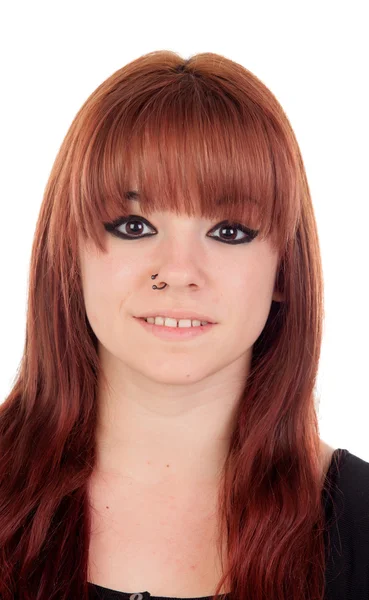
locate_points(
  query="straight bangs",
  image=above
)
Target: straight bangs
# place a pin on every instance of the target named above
(189, 142)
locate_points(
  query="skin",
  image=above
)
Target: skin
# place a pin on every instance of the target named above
(166, 417)
(169, 403)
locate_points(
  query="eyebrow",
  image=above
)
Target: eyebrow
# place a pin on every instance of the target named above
(135, 196)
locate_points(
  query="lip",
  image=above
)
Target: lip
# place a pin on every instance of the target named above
(174, 333)
(177, 313)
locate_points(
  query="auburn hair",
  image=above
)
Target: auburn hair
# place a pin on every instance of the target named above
(203, 136)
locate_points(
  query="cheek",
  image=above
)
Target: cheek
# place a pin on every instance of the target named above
(250, 295)
(106, 286)
(254, 278)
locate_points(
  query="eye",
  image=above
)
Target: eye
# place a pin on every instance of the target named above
(130, 227)
(247, 235)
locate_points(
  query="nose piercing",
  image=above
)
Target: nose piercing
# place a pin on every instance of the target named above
(155, 287)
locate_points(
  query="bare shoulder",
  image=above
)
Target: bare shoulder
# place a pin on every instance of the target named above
(326, 455)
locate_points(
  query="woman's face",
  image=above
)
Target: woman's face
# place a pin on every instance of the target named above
(234, 284)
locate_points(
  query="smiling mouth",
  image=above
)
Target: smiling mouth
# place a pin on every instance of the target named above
(168, 332)
(175, 323)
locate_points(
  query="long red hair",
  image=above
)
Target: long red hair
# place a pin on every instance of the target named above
(207, 137)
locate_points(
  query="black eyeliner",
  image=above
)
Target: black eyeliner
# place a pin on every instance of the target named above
(112, 228)
(252, 233)
(114, 224)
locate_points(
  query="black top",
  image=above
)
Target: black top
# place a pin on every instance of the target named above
(346, 501)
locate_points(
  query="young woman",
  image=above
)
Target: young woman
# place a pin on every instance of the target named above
(161, 438)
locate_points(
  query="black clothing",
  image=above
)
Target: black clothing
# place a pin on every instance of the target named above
(346, 501)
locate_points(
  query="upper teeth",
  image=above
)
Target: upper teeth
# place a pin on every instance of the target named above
(169, 322)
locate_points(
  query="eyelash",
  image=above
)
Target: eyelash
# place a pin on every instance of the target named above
(113, 229)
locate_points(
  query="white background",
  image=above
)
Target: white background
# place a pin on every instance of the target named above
(312, 55)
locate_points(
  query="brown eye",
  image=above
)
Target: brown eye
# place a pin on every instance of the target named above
(229, 232)
(133, 227)
(129, 228)
(234, 233)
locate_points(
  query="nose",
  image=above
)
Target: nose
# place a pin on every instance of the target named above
(180, 263)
